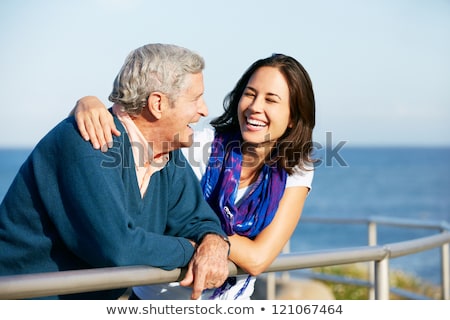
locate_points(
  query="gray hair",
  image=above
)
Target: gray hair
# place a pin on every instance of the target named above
(153, 68)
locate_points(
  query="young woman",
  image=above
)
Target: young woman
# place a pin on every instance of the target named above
(259, 170)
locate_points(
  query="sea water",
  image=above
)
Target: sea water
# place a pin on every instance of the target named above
(399, 182)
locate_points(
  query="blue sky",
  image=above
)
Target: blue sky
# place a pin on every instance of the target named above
(380, 69)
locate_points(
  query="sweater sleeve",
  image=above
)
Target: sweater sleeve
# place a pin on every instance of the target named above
(86, 195)
(189, 213)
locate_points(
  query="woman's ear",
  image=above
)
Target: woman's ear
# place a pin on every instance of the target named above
(290, 124)
(154, 104)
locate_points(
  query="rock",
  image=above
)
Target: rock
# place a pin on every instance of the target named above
(293, 289)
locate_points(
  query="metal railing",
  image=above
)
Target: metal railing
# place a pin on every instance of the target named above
(398, 249)
(66, 282)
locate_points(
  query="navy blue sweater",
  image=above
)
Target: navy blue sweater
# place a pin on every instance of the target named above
(72, 207)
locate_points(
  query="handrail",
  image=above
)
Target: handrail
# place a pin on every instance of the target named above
(413, 246)
(66, 282)
(391, 221)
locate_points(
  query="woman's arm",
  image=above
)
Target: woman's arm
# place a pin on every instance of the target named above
(254, 256)
(95, 123)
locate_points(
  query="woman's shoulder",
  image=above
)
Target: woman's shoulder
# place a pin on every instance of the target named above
(301, 177)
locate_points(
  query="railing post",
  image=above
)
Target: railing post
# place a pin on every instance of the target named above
(271, 286)
(382, 279)
(445, 271)
(286, 249)
(372, 240)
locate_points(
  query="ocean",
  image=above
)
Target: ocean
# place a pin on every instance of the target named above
(402, 182)
(357, 182)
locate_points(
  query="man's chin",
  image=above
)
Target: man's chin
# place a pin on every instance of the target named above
(186, 144)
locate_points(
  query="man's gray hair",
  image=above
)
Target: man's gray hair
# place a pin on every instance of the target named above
(153, 68)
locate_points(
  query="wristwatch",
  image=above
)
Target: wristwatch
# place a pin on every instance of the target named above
(225, 238)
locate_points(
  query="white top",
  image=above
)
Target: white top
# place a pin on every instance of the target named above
(198, 156)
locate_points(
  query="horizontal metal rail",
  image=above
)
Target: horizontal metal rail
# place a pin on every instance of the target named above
(404, 248)
(382, 220)
(66, 282)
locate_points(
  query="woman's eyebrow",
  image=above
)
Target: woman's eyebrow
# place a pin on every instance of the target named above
(270, 93)
(274, 95)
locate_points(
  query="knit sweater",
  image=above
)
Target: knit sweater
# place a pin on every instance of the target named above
(72, 207)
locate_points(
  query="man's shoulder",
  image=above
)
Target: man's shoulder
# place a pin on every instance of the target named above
(65, 142)
(65, 129)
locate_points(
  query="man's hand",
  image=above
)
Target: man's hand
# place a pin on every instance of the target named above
(208, 267)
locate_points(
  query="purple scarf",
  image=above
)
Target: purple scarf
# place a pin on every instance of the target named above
(220, 185)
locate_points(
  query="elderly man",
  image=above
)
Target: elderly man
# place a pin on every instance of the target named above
(72, 207)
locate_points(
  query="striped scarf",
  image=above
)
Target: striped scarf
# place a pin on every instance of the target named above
(220, 185)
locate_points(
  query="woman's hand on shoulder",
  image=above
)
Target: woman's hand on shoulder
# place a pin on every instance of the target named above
(95, 122)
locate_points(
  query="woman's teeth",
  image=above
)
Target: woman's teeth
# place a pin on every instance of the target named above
(256, 123)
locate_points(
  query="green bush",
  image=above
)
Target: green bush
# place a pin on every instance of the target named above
(397, 279)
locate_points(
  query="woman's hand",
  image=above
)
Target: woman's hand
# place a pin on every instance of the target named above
(95, 122)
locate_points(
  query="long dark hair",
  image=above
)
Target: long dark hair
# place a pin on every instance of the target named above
(295, 146)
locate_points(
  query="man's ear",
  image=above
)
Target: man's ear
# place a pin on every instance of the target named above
(154, 104)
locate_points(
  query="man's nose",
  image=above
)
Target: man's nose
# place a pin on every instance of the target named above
(203, 108)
